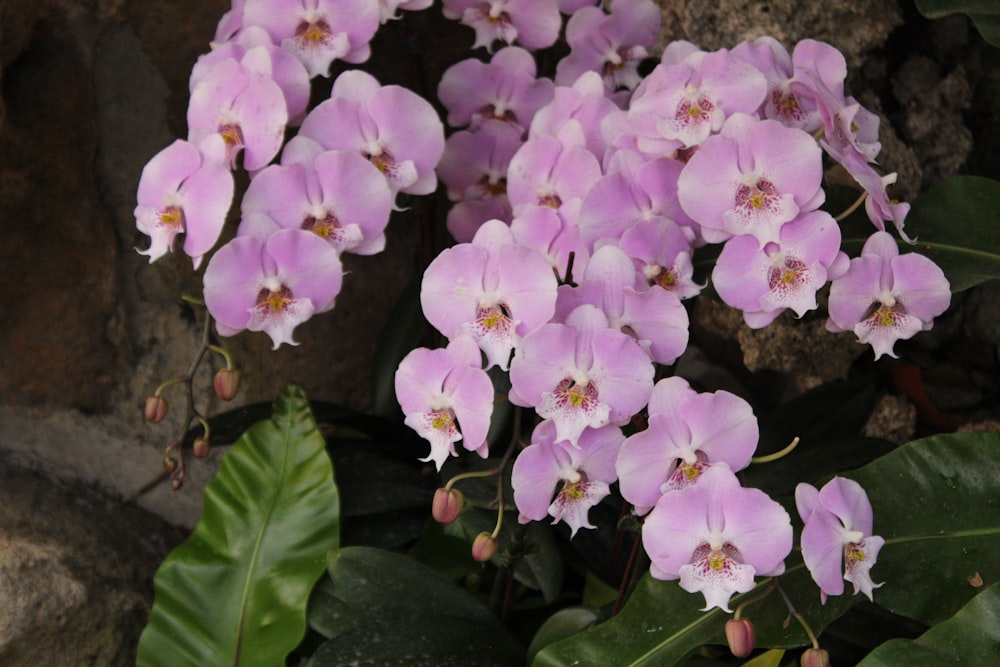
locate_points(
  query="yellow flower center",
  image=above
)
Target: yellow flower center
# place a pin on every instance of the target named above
(574, 490)
(576, 396)
(172, 217)
(441, 421)
(313, 32)
(232, 135)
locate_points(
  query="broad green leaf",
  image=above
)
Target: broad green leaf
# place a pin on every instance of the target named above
(596, 593)
(984, 13)
(392, 610)
(856, 634)
(449, 554)
(562, 624)
(957, 224)
(385, 501)
(937, 504)
(235, 592)
(659, 626)
(970, 637)
(662, 623)
(328, 614)
(770, 658)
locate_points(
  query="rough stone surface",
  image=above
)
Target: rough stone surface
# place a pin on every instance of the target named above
(853, 27)
(75, 573)
(803, 349)
(933, 123)
(894, 419)
(92, 91)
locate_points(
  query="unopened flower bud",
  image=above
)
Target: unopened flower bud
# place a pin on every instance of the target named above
(156, 409)
(176, 483)
(484, 547)
(226, 383)
(740, 635)
(200, 448)
(169, 464)
(447, 505)
(815, 657)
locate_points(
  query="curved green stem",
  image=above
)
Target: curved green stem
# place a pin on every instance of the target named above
(853, 207)
(225, 355)
(768, 458)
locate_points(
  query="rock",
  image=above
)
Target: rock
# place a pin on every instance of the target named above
(803, 349)
(855, 27)
(893, 418)
(933, 123)
(91, 92)
(76, 573)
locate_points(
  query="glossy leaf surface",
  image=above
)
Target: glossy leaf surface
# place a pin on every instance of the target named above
(381, 608)
(970, 637)
(957, 225)
(936, 502)
(984, 13)
(235, 592)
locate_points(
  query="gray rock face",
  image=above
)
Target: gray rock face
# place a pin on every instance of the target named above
(75, 573)
(91, 91)
(855, 27)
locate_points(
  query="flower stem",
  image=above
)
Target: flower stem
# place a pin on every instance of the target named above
(746, 603)
(853, 207)
(627, 575)
(225, 355)
(774, 456)
(792, 611)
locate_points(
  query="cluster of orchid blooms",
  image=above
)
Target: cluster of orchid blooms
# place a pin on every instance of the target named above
(578, 204)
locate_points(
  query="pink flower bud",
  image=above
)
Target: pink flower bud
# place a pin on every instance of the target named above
(484, 547)
(156, 409)
(227, 383)
(447, 505)
(815, 657)
(201, 448)
(740, 635)
(176, 483)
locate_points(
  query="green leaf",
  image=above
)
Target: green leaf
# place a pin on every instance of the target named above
(937, 504)
(984, 13)
(450, 555)
(235, 592)
(970, 637)
(659, 626)
(562, 624)
(957, 225)
(391, 609)
(770, 658)
(384, 501)
(596, 593)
